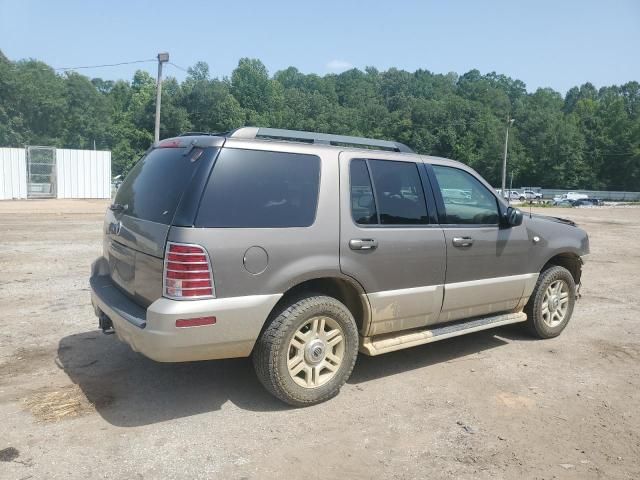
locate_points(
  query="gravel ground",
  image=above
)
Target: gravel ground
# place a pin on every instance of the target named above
(78, 404)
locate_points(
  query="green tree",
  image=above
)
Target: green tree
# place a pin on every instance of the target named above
(34, 100)
(86, 116)
(588, 139)
(252, 87)
(209, 104)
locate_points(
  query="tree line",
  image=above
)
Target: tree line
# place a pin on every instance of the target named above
(588, 139)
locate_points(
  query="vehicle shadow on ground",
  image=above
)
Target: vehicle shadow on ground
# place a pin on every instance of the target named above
(130, 390)
(450, 350)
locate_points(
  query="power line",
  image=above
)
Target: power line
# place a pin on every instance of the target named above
(106, 65)
(178, 67)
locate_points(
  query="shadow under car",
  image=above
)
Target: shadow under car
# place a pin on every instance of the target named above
(130, 390)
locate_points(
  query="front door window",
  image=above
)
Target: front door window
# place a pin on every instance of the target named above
(466, 200)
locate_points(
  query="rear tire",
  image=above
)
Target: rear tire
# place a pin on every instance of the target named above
(550, 306)
(307, 352)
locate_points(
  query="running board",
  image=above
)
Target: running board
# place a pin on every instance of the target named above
(390, 342)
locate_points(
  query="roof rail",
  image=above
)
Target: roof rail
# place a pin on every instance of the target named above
(318, 138)
(192, 134)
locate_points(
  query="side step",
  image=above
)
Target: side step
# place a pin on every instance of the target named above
(390, 342)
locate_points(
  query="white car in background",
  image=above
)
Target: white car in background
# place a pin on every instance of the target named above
(571, 196)
(455, 195)
(512, 195)
(531, 195)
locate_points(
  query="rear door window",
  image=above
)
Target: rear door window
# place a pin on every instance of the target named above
(363, 205)
(397, 197)
(260, 189)
(399, 194)
(154, 187)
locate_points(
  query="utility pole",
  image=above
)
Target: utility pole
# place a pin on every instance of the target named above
(504, 161)
(162, 58)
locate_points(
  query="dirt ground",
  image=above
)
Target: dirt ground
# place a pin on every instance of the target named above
(75, 403)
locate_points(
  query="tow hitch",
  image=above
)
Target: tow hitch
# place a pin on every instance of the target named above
(105, 324)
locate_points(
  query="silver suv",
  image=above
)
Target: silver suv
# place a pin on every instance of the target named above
(299, 249)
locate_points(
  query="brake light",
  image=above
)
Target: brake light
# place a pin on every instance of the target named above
(171, 143)
(187, 272)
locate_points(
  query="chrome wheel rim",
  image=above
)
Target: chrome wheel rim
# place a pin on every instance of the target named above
(555, 303)
(316, 351)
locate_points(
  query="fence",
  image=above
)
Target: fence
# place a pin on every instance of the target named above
(83, 173)
(45, 172)
(610, 195)
(599, 194)
(13, 173)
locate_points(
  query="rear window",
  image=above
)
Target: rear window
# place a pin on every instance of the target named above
(250, 188)
(153, 189)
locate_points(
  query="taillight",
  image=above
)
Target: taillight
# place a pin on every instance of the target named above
(187, 272)
(170, 143)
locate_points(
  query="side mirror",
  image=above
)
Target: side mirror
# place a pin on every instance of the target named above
(513, 217)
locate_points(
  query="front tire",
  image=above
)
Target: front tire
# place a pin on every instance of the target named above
(307, 352)
(550, 306)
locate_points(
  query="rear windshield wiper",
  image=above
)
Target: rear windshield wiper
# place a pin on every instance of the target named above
(117, 207)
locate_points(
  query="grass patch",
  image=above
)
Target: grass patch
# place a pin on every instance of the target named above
(52, 406)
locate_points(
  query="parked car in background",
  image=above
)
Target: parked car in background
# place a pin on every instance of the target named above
(570, 196)
(301, 252)
(513, 195)
(455, 195)
(587, 202)
(582, 202)
(531, 195)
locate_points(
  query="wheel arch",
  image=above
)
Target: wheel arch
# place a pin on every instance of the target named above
(345, 289)
(569, 260)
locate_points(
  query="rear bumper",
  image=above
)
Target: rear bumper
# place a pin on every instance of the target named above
(153, 331)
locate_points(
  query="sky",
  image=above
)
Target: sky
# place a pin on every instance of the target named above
(557, 44)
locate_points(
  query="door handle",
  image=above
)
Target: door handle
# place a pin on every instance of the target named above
(363, 244)
(462, 241)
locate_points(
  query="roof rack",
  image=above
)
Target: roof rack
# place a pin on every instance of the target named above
(317, 138)
(192, 134)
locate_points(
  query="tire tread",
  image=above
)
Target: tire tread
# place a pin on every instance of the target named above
(546, 277)
(268, 349)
